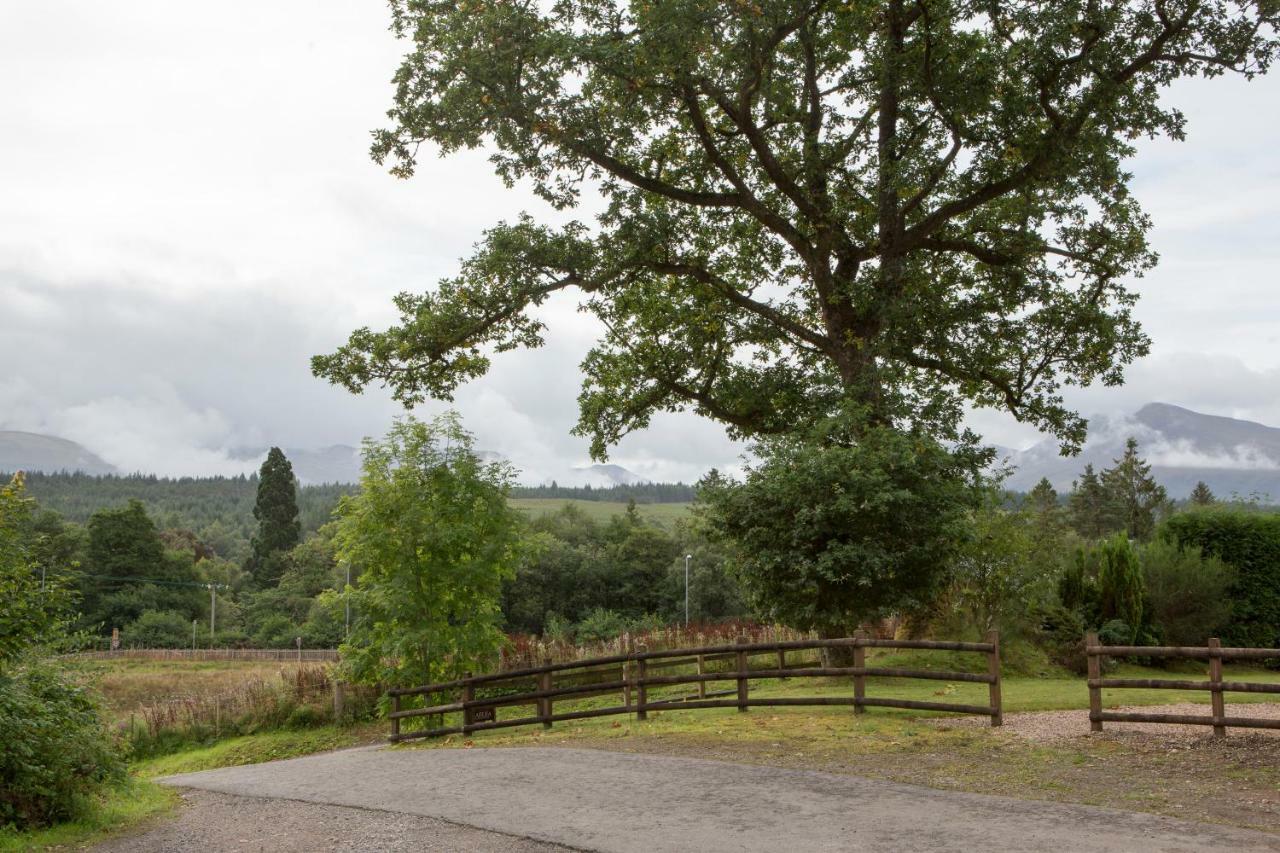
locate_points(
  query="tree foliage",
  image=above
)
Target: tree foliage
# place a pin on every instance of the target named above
(913, 205)
(276, 511)
(1249, 542)
(1135, 498)
(1202, 495)
(433, 539)
(833, 533)
(1120, 584)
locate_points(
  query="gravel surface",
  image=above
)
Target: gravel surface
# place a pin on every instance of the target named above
(631, 803)
(213, 822)
(1058, 725)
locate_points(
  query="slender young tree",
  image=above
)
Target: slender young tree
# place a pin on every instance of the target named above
(276, 511)
(904, 205)
(1133, 494)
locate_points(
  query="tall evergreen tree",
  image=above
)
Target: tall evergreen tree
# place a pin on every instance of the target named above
(1133, 493)
(1046, 518)
(276, 511)
(1202, 496)
(1087, 507)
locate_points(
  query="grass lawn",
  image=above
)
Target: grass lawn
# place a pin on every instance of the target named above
(665, 514)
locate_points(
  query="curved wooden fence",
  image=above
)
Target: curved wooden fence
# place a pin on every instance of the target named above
(634, 674)
(1213, 652)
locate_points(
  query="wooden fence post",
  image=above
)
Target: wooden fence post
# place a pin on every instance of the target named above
(993, 670)
(859, 662)
(642, 692)
(395, 721)
(1215, 685)
(1095, 675)
(702, 670)
(545, 681)
(742, 675)
(339, 701)
(468, 695)
(626, 672)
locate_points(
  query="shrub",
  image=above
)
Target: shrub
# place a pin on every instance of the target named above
(1120, 585)
(276, 632)
(158, 629)
(55, 751)
(1187, 593)
(1249, 542)
(600, 624)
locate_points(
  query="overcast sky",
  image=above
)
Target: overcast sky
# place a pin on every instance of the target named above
(188, 212)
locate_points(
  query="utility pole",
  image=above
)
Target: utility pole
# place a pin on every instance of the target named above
(346, 598)
(687, 558)
(194, 622)
(213, 611)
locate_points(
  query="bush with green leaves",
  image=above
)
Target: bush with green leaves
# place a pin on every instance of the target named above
(847, 524)
(1249, 542)
(54, 751)
(158, 629)
(1120, 584)
(1187, 593)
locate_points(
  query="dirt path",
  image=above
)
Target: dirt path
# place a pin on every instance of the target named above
(210, 821)
(626, 802)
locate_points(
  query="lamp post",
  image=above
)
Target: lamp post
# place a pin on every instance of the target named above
(687, 558)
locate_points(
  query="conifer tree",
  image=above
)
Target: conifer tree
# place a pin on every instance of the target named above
(1202, 496)
(1046, 517)
(1133, 494)
(276, 511)
(1087, 506)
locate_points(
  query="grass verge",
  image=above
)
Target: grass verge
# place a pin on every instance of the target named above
(257, 748)
(116, 809)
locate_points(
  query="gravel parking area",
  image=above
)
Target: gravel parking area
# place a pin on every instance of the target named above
(1059, 725)
(212, 821)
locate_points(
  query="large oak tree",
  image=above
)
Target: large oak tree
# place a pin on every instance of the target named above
(903, 204)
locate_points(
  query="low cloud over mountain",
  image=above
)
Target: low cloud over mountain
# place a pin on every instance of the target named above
(1235, 457)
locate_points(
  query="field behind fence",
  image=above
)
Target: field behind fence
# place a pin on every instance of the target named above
(639, 676)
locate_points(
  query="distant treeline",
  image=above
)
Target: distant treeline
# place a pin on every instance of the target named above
(641, 493)
(218, 509)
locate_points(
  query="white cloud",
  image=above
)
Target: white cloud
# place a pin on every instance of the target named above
(190, 212)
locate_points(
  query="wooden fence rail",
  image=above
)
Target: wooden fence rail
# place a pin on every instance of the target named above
(634, 673)
(1213, 652)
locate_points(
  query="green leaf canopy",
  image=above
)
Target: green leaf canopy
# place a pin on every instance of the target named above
(907, 205)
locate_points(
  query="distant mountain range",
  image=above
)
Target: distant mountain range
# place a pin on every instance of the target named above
(339, 463)
(1234, 457)
(29, 451)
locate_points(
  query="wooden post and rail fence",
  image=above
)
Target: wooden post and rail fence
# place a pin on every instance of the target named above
(637, 671)
(1213, 652)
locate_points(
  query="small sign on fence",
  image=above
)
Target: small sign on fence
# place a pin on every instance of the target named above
(482, 715)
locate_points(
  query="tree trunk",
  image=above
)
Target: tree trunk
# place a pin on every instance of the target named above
(840, 655)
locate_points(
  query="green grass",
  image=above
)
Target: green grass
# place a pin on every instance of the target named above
(257, 748)
(666, 514)
(118, 809)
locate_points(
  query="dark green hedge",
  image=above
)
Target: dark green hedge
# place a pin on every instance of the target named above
(1250, 543)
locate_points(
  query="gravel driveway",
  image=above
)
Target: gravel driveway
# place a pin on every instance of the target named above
(598, 800)
(216, 822)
